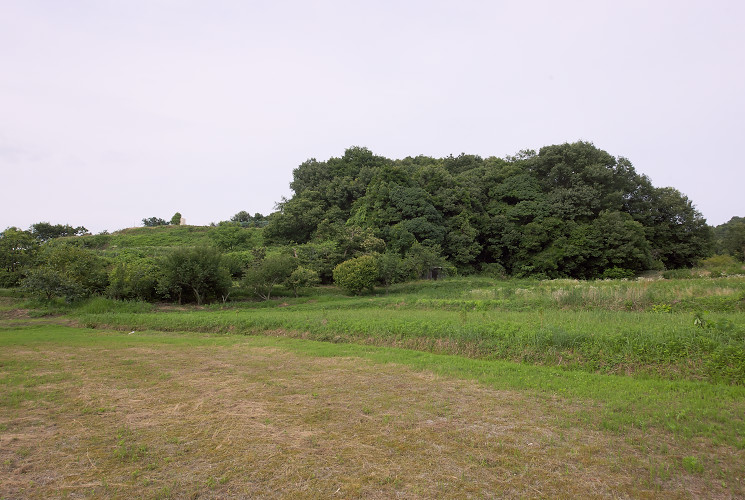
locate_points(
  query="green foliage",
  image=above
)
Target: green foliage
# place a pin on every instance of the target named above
(154, 221)
(321, 257)
(610, 327)
(302, 277)
(615, 273)
(176, 219)
(44, 231)
(356, 275)
(678, 234)
(103, 305)
(677, 274)
(246, 220)
(572, 210)
(721, 265)
(17, 251)
(49, 283)
(194, 274)
(93, 241)
(231, 236)
(296, 220)
(237, 262)
(66, 270)
(662, 308)
(392, 269)
(160, 236)
(693, 465)
(263, 275)
(426, 262)
(730, 238)
(134, 278)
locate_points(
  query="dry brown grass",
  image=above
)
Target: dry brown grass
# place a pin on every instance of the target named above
(245, 421)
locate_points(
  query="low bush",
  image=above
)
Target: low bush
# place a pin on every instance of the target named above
(356, 275)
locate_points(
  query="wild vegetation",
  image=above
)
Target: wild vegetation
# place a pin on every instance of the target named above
(570, 210)
(679, 329)
(577, 325)
(168, 415)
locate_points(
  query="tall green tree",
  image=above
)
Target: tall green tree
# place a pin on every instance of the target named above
(677, 232)
(730, 237)
(17, 252)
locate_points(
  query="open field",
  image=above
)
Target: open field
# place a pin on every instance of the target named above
(466, 388)
(679, 329)
(87, 413)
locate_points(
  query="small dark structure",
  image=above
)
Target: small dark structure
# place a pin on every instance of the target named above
(435, 273)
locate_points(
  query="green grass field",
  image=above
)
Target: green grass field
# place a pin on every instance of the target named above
(675, 329)
(464, 387)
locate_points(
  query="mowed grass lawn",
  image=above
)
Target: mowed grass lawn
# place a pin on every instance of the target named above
(98, 413)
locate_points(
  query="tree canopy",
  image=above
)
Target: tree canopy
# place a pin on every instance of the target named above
(44, 231)
(730, 238)
(568, 210)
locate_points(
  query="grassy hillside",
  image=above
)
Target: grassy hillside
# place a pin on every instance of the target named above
(159, 239)
(160, 236)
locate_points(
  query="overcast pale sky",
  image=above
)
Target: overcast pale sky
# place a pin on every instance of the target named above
(113, 111)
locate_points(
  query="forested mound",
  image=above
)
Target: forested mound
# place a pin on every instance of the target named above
(569, 210)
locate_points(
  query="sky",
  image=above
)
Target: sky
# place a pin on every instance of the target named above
(112, 111)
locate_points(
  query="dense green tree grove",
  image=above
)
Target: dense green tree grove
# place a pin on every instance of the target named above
(568, 210)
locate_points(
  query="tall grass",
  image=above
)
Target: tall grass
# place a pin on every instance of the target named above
(690, 329)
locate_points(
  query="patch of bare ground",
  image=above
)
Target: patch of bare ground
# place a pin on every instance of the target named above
(14, 314)
(249, 422)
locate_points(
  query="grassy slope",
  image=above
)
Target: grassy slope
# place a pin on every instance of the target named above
(161, 236)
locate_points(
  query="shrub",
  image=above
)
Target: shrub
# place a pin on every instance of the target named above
(261, 277)
(195, 273)
(49, 283)
(616, 273)
(133, 279)
(722, 265)
(302, 277)
(677, 274)
(493, 270)
(69, 271)
(391, 269)
(356, 275)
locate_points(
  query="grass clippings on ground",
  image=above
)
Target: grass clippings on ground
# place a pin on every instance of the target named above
(154, 417)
